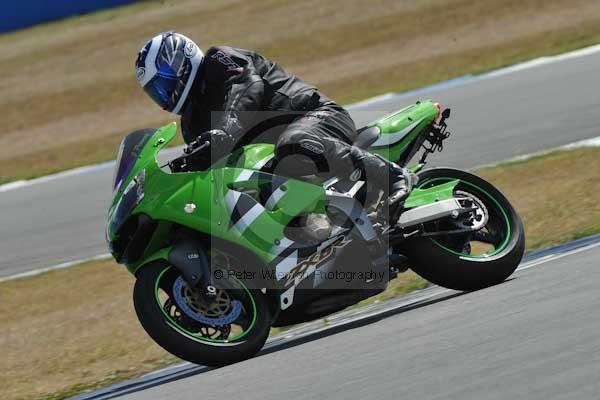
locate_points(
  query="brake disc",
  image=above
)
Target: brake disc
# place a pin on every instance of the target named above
(223, 311)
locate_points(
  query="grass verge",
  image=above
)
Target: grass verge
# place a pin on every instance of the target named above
(72, 103)
(73, 330)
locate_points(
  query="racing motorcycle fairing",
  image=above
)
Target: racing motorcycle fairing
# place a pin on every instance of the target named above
(237, 202)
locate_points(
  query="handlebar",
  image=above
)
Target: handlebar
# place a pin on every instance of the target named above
(193, 149)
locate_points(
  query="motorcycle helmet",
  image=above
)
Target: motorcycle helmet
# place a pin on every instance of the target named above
(166, 67)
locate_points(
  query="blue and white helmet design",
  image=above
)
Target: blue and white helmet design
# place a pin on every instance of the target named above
(166, 67)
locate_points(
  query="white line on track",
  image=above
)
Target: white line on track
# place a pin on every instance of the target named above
(64, 174)
(554, 257)
(593, 142)
(54, 267)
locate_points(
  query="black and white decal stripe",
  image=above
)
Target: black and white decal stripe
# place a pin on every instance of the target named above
(261, 164)
(290, 256)
(387, 139)
(274, 198)
(252, 175)
(284, 262)
(286, 256)
(274, 185)
(243, 208)
(248, 218)
(246, 175)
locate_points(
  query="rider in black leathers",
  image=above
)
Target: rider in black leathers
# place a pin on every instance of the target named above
(231, 85)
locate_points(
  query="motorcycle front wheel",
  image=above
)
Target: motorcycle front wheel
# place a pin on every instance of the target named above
(475, 259)
(233, 326)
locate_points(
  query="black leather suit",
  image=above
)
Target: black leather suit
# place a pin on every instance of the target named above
(232, 85)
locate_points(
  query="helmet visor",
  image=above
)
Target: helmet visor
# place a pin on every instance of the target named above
(161, 89)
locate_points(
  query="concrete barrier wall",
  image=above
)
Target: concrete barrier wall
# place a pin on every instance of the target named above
(15, 14)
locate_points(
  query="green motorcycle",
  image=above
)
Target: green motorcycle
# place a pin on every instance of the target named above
(222, 255)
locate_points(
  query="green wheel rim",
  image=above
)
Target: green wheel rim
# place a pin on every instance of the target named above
(504, 214)
(195, 336)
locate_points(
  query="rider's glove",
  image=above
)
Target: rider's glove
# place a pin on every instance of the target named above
(217, 139)
(220, 143)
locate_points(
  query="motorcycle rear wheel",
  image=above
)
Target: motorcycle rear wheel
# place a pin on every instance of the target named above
(183, 336)
(450, 260)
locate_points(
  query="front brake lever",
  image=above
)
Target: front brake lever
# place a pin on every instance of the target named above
(198, 149)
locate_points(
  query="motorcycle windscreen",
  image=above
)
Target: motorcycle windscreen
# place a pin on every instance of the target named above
(129, 152)
(122, 210)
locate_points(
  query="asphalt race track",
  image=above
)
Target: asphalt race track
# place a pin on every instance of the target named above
(493, 119)
(532, 337)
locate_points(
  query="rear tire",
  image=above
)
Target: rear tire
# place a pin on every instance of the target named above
(178, 340)
(446, 261)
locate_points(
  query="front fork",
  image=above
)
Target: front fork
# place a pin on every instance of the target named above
(189, 257)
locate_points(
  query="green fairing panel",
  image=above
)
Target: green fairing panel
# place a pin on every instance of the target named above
(167, 194)
(212, 215)
(214, 193)
(265, 232)
(252, 156)
(147, 157)
(402, 127)
(420, 197)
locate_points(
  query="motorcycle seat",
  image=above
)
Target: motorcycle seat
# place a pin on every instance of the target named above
(366, 136)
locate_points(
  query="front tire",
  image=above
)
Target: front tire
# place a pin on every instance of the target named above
(185, 337)
(449, 260)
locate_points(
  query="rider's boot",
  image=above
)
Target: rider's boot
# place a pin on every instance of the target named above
(395, 182)
(401, 183)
